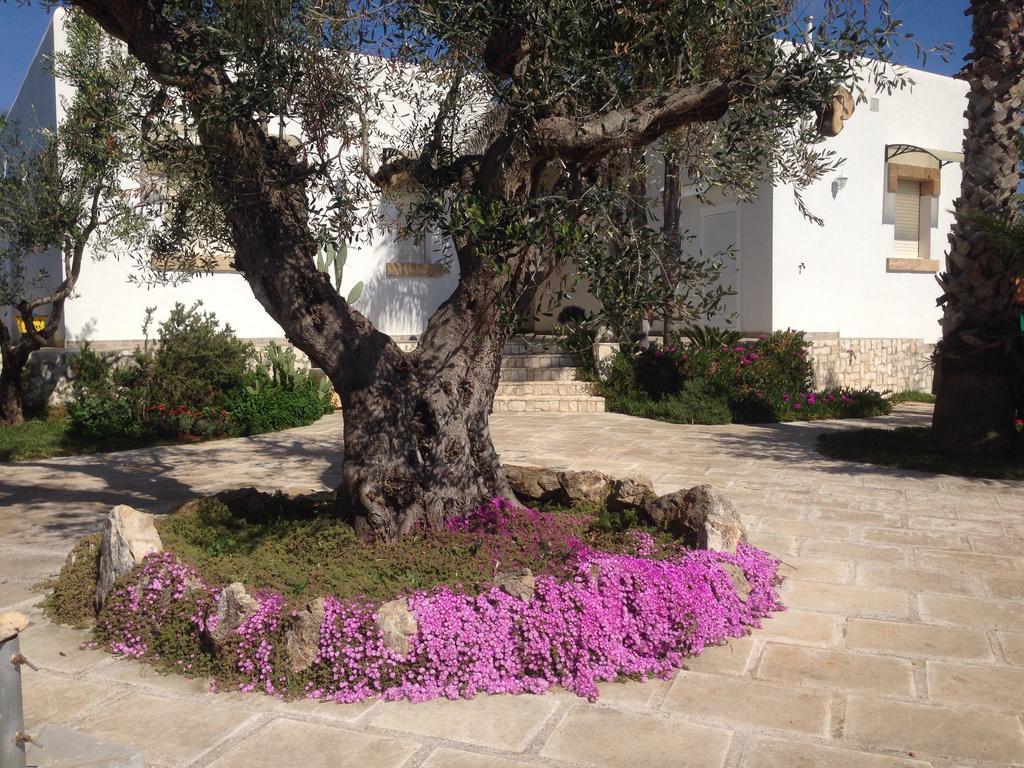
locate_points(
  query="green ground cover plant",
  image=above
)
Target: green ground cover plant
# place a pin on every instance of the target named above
(759, 381)
(916, 448)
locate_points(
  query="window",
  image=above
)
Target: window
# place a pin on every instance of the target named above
(416, 254)
(719, 239)
(907, 219)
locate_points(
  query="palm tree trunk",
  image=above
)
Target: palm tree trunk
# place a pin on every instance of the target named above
(975, 404)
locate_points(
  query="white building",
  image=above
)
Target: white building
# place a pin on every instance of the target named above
(861, 285)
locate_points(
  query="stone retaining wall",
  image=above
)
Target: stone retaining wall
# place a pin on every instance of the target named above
(882, 364)
(894, 364)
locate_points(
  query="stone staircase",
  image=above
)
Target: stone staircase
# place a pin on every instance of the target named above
(537, 376)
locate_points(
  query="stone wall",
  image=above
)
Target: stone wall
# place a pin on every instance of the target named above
(894, 364)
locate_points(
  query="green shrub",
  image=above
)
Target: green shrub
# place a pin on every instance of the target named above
(697, 403)
(195, 361)
(91, 374)
(103, 418)
(263, 406)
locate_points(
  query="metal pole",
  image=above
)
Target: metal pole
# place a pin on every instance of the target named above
(12, 716)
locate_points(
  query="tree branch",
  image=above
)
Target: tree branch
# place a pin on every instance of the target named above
(587, 140)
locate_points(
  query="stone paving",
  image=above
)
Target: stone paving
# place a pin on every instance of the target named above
(903, 645)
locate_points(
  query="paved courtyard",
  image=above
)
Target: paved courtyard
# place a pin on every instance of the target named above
(903, 644)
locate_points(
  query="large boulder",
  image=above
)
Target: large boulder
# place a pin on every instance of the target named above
(533, 485)
(631, 492)
(702, 516)
(519, 584)
(586, 487)
(397, 625)
(303, 636)
(234, 606)
(128, 536)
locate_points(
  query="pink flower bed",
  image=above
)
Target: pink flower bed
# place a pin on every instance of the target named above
(609, 615)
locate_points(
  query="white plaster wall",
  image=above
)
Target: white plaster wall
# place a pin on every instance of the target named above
(37, 108)
(834, 278)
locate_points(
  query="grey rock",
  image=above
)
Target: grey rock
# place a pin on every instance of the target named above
(631, 492)
(397, 625)
(303, 636)
(128, 536)
(532, 484)
(702, 516)
(739, 580)
(234, 606)
(588, 486)
(520, 584)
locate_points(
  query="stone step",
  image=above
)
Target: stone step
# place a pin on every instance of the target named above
(559, 404)
(540, 374)
(553, 389)
(543, 360)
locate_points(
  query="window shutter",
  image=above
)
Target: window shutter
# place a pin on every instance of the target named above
(907, 216)
(719, 238)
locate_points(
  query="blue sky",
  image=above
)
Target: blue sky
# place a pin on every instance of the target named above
(931, 21)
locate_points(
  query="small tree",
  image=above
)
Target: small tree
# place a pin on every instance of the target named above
(59, 190)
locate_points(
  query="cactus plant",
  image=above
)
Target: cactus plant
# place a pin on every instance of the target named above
(331, 261)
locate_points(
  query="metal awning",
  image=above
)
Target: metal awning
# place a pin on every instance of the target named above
(942, 156)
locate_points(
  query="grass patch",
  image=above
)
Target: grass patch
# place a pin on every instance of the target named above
(913, 448)
(50, 436)
(912, 396)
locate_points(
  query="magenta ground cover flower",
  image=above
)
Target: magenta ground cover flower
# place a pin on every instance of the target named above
(606, 615)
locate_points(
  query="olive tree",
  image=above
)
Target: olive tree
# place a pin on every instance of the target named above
(515, 105)
(61, 189)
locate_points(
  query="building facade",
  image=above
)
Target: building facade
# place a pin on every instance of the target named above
(861, 285)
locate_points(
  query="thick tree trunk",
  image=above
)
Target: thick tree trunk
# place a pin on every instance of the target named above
(418, 447)
(974, 408)
(12, 396)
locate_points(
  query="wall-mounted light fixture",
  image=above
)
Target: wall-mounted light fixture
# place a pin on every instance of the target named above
(841, 181)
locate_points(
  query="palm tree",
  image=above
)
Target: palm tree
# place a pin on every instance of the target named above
(976, 398)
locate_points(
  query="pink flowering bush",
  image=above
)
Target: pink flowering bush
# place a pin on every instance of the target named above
(595, 616)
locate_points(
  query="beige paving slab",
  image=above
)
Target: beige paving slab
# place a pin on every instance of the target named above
(931, 731)
(801, 627)
(910, 538)
(1012, 644)
(847, 599)
(766, 753)
(955, 525)
(750, 701)
(917, 580)
(970, 562)
(286, 742)
(1011, 546)
(836, 669)
(49, 698)
(917, 639)
(606, 738)
(449, 758)
(733, 658)
(780, 546)
(503, 722)
(860, 517)
(812, 569)
(52, 646)
(164, 730)
(989, 614)
(1005, 588)
(805, 528)
(852, 550)
(989, 687)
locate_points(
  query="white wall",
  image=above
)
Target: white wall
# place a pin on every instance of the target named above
(37, 108)
(834, 278)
